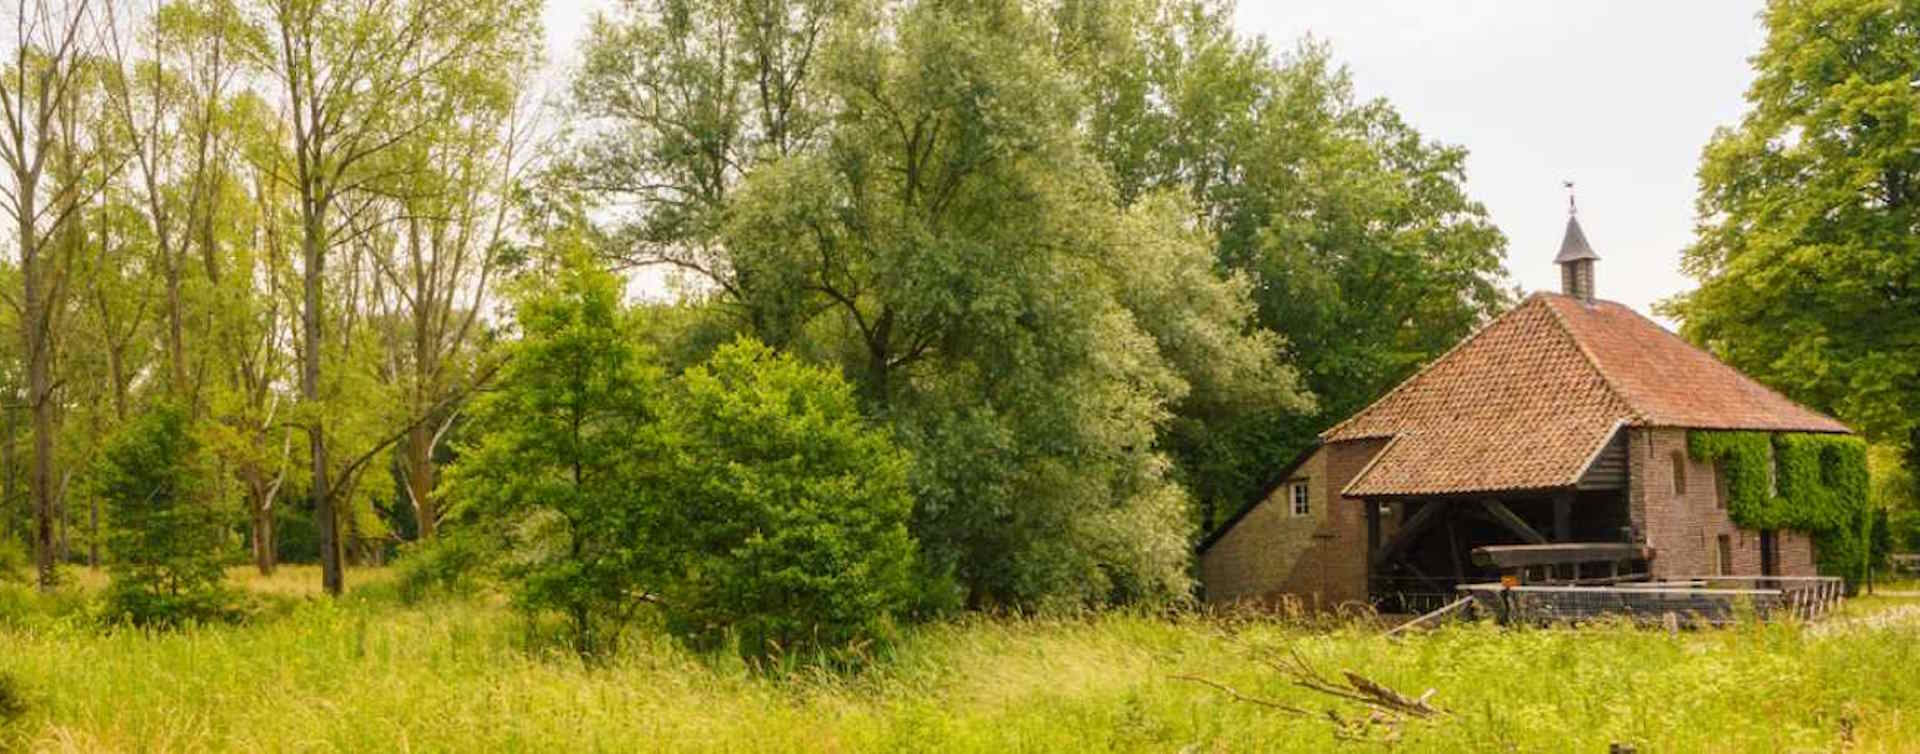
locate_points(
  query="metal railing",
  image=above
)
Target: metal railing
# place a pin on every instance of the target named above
(1411, 595)
(1705, 600)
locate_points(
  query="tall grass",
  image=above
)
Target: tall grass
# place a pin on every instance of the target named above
(369, 674)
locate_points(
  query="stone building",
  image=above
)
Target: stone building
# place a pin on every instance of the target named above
(1564, 420)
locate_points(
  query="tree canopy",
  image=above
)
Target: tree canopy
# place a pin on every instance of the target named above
(1012, 228)
(1807, 249)
(992, 305)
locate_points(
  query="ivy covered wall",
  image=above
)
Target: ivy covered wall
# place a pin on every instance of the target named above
(1815, 483)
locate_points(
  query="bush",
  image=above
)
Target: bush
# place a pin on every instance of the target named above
(448, 564)
(788, 514)
(13, 700)
(164, 537)
(553, 471)
(15, 563)
(746, 500)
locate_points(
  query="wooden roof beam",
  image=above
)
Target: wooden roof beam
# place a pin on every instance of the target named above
(1514, 523)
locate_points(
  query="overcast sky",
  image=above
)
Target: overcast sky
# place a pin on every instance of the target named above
(1615, 95)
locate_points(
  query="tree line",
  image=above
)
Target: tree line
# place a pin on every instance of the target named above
(279, 217)
(1096, 268)
(976, 305)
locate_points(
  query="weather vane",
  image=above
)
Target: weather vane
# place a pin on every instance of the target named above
(1571, 209)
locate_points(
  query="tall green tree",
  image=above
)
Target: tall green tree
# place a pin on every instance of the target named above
(557, 471)
(1361, 248)
(349, 76)
(955, 249)
(1807, 247)
(51, 173)
(436, 252)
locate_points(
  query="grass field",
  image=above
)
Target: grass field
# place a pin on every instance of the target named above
(367, 674)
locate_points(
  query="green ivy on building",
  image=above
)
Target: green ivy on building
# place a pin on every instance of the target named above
(1814, 483)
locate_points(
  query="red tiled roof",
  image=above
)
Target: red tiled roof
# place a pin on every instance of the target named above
(1528, 401)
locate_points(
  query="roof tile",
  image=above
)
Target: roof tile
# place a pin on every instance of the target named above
(1527, 401)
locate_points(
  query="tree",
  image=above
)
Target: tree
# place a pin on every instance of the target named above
(1807, 246)
(944, 239)
(1362, 251)
(166, 537)
(786, 513)
(677, 100)
(557, 466)
(346, 72)
(42, 152)
(437, 258)
(955, 251)
(248, 246)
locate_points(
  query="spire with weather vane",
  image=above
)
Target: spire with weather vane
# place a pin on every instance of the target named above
(1576, 257)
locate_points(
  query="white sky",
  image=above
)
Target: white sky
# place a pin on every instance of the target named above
(1616, 95)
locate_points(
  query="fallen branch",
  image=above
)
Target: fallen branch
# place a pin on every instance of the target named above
(1239, 697)
(1358, 688)
(1386, 709)
(1450, 607)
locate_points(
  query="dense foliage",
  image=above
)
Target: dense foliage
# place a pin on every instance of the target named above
(1364, 251)
(167, 540)
(787, 518)
(560, 461)
(1806, 249)
(1074, 255)
(745, 500)
(1807, 482)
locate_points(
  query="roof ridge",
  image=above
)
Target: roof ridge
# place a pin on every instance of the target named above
(1613, 388)
(1737, 373)
(1424, 368)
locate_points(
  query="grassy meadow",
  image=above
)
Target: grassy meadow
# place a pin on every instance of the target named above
(368, 673)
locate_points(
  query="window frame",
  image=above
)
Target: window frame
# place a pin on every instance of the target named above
(1679, 472)
(1299, 499)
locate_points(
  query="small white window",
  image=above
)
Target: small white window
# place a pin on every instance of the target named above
(1298, 494)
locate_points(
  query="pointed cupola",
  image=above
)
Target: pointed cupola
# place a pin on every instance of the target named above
(1576, 257)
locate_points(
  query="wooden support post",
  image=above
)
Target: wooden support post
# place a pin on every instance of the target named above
(1514, 523)
(1373, 539)
(1415, 525)
(1453, 550)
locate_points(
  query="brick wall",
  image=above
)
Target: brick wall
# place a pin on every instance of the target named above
(1684, 527)
(1318, 559)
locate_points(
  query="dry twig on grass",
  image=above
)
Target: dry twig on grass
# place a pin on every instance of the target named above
(1239, 697)
(1358, 688)
(1386, 708)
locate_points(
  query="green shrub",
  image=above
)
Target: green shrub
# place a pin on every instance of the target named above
(164, 536)
(13, 699)
(450, 564)
(15, 563)
(745, 501)
(1815, 483)
(553, 472)
(788, 513)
